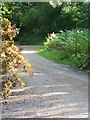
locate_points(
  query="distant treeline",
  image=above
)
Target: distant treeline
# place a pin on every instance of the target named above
(36, 20)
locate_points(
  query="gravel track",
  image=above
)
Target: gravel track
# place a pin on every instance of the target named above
(55, 91)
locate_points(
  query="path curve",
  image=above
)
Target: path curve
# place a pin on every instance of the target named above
(55, 91)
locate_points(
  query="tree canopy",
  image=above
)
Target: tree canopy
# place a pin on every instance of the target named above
(40, 18)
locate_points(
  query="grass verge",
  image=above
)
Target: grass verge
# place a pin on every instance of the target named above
(60, 58)
(54, 56)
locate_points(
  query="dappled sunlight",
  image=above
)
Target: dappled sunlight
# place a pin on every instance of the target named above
(19, 90)
(24, 74)
(48, 104)
(51, 86)
(43, 110)
(46, 96)
(22, 97)
(25, 52)
(53, 94)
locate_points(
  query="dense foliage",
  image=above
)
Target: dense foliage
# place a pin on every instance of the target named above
(68, 21)
(71, 45)
(11, 61)
(37, 19)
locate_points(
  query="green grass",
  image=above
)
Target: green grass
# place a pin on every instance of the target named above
(59, 57)
(54, 56)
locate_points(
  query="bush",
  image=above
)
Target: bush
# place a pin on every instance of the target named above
(73, 44)
(11, 61)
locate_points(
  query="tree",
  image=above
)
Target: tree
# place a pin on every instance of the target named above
(37, 19)
(11, 59)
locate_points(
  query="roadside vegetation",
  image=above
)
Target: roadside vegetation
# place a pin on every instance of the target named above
(11, 60)
(69, 47)
(38, 19)
(61, 26)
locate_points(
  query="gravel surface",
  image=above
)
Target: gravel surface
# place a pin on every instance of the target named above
(55, 91)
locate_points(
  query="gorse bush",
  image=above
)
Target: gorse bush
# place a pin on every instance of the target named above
(73, 44)
(11, 60)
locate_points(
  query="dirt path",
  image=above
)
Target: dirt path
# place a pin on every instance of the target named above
(55, 91)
